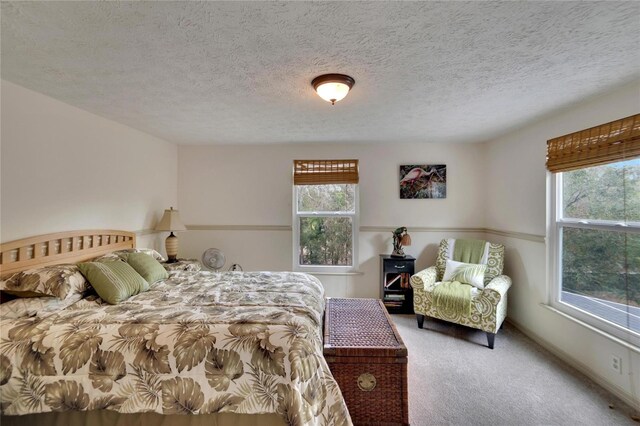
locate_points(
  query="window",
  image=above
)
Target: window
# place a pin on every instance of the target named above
(595, 235)
(325, 215)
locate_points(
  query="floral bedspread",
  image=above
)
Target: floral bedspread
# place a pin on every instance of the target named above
(198, 342)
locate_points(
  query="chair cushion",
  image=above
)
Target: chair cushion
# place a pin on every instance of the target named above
(466, 273)
(493, 258)
(470, 251)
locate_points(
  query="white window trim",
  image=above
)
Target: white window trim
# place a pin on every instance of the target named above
(355, 223)
(555, 224)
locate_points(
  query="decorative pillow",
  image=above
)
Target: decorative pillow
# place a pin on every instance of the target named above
(113, 281)
(122, 255)
(466, 273)
(36, 306)
(59, 281)
(149, 268)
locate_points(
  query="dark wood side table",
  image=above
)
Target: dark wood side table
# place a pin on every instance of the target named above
(395, 289)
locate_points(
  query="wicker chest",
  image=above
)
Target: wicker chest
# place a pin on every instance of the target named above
(367, 357)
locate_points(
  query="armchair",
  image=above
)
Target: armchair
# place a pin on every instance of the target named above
(488, 306)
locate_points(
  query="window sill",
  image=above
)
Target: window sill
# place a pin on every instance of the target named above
(333, 273)
(596, 330)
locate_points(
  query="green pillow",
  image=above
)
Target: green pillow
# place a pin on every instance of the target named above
(149, 268)
(113, 281)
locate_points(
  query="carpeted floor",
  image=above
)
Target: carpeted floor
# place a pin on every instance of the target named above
(454, 379)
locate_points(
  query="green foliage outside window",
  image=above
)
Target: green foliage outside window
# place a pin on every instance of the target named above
(326, 239)
(326, 198)
(604, 264)
(610, 192)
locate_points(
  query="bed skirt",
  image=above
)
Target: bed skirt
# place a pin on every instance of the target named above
(113, 418)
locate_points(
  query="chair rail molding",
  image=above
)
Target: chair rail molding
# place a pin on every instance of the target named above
(518, 235)
(366, 228)
(239, 228)
(149, 231)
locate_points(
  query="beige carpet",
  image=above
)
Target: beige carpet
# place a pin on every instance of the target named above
(454, 379)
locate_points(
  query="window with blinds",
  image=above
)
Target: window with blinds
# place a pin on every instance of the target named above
(322, 172)
(325, 214)
(608, 143)
(596, 237)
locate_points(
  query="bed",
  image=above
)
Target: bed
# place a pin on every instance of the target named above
(196, 348)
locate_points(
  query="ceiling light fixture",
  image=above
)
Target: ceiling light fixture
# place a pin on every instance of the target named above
(333, 87)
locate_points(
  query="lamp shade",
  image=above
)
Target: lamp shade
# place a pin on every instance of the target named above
(171, 221)
(406, 240)
(332, 92)
(333, 87)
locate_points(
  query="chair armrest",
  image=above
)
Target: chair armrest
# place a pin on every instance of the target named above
(499, 285)
(425, 279)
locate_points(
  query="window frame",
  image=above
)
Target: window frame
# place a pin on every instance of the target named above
(355, 226)
(556, 223)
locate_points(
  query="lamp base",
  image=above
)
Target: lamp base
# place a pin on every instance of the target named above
(171, 245)
(398, 253)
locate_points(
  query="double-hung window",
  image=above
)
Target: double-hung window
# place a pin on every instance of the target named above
(595, 227)
(325, 215)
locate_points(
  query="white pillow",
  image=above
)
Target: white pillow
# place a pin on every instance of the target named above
(467, 273)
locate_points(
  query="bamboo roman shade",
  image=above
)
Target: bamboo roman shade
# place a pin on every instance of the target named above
(615, 141)
(322, 172)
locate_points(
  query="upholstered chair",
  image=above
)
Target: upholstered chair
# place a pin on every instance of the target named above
(488, 305)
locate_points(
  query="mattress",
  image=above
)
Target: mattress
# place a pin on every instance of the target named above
(196, 343)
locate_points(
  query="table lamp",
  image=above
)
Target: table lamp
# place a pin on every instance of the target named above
(400, 238)
(171, 222)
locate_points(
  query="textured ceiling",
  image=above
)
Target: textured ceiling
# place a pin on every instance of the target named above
(240, 72)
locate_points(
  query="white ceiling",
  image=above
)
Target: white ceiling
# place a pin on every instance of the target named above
(240, 72)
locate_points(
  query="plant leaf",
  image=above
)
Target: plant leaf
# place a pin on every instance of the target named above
(223, 366)
(181, 396)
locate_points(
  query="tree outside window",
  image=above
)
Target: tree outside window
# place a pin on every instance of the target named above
(599, 241)
(325, 218)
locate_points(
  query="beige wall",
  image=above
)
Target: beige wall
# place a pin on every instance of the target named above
(516, 167)
(252, 185)
(64, 168)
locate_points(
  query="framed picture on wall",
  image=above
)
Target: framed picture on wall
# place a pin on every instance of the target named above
(423, 181)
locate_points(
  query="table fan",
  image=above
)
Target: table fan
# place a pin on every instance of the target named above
(213, 258)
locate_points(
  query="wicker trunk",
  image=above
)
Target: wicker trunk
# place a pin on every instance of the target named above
(368, 359)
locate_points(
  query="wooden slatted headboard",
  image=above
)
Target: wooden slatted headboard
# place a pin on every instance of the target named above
(61, 247)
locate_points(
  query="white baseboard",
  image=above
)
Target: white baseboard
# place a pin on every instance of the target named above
(582, 368)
